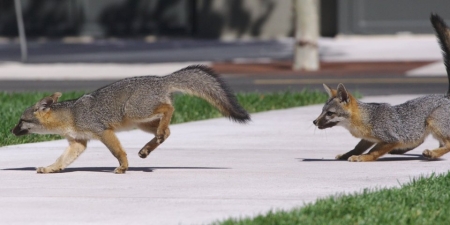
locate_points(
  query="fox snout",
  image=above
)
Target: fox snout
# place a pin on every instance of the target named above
(18, 131)
(323, 123)
(315, 122)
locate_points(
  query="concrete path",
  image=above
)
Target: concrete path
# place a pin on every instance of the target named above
(206, 171)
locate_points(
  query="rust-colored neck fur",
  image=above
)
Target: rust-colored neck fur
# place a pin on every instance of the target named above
(57, 120)
(358, 126)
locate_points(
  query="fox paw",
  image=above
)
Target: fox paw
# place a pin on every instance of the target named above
(355, 158)
(143, 153)
(47, 170)
(429, 154)
(41, 170)
(341, 157)
(361, 158)
(120, 170)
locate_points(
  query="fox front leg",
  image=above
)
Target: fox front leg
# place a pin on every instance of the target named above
(359, 149)
(376, 152)
(76, 147)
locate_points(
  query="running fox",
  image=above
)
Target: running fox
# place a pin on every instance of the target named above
(142, 102)
(392, 129)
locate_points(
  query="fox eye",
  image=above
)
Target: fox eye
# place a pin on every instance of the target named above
(329, 113)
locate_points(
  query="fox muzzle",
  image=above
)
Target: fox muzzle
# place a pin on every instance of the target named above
(321, 123)
(18, 131)
(326, 125)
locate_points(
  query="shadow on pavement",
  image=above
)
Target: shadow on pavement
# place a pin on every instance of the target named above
(111, 169)
(404, 157)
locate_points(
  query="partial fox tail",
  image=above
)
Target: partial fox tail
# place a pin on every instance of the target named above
(443, 34)
(203, 82)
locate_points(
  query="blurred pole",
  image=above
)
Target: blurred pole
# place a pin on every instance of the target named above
(306, 53)
(20, 26)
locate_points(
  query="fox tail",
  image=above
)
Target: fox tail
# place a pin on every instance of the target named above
(203, 82)
(443, 35)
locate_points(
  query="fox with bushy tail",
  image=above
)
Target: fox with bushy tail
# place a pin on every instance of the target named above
(383, 128)
(143, 102)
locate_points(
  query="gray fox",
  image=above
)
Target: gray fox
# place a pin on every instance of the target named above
(142, 102)
(392, 129)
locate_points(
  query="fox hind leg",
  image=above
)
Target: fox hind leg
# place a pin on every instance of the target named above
(444, 147)
(436, 153)
(400, 151)
(162, 132)
(158, 127)
(151, 127)
(437, 125)
(112, 143)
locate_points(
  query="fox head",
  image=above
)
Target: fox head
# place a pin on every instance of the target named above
(31, 121)
(337, 110)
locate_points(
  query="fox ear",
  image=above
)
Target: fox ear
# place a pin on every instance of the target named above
(331, 93)
(44, 104)
(55, 96)
(342, 93)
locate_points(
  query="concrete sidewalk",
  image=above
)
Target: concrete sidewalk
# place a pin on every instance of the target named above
(206, 171)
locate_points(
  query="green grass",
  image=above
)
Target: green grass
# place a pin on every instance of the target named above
(422, 201)
(187, 108)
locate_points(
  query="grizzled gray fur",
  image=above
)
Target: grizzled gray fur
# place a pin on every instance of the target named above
(142, 102)
(383, 128)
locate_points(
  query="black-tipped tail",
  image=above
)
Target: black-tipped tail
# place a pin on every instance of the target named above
(443, 34)
(203, 82)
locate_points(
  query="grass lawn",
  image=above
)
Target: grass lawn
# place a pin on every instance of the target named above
(187, 108)
(422, 201)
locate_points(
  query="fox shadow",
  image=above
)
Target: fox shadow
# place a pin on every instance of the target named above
(403, 157)
(111, 169)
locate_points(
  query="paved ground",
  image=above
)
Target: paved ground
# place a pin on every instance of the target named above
(206, 171)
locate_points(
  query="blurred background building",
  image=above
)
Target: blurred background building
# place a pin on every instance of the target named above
(212, 19)
(105, 40)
